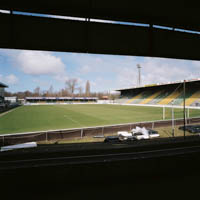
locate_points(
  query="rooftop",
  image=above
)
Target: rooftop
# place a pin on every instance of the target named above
(3, 85)
(160, 84)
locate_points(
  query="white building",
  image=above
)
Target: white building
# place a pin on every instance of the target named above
(11, 100)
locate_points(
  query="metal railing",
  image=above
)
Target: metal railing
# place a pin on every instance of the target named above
(50, 135)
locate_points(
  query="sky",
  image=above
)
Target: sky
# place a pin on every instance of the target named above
(25, 70)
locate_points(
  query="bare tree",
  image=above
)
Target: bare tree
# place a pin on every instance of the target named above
(27, 93)
(80, 89)
(87, 89)
(64, 93)
(71, 85)
(37, 91)
(50, 91)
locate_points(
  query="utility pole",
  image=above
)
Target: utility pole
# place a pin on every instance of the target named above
(139, 75)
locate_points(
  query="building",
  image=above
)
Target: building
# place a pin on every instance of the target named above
(11, 100)
(57, 100)
(2, 88)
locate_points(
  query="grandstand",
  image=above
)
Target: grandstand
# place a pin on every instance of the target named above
(2, 101)
(59, 100)
(163, 94)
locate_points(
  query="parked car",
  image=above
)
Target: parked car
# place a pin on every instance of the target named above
(195, 129)
(153, 133)
(112, 139)
(187, 127)
(140, 136)
(191, 128)
(130, 139)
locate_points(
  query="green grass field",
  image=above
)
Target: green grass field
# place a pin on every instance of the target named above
(51, 117)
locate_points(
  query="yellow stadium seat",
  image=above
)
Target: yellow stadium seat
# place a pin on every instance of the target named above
(150, 98)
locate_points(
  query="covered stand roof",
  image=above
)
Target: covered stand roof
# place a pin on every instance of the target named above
(43, 33)
(161, 85)
(3, 85)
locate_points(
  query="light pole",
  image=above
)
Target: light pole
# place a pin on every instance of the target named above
(184, 107)
(172, 118)
(139, 75)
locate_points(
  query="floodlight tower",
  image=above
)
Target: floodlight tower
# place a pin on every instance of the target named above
(139, 74)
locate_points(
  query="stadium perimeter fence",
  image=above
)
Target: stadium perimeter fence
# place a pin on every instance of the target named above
(99, 131)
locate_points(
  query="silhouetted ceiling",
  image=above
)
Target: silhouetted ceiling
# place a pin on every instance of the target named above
(182, 14)
(39, 33)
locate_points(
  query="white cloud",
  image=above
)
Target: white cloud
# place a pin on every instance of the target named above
(39, 63)
(10, 79)
(158, 70)
(61, 77)
(121, 71)
(41, 83)
(85, 69)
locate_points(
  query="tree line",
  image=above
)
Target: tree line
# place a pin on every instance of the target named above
(71, 89)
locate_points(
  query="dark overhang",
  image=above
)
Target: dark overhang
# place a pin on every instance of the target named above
(50, 34)
(184, 14)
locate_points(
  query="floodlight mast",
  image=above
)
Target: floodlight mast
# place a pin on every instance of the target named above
(184, 107)
(139, 75)
(172, 118)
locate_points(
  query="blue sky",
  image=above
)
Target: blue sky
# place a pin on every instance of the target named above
(25, 70)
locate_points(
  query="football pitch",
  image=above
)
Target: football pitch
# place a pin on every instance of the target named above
(52, 117)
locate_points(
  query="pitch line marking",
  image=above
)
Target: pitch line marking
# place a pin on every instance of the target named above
(4, 113)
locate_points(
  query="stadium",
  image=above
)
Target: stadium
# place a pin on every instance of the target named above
(163, 94)
(150, 103)
(53, 145)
